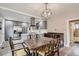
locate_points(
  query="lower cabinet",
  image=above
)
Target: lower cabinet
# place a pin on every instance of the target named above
(56, 35)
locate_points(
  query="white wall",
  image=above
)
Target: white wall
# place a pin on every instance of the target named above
(59, 23)
(2, 36)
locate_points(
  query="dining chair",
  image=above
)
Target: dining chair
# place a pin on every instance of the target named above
(55, 46)
(19, 49)
(23, 39)
(50, 49)
(42, 51)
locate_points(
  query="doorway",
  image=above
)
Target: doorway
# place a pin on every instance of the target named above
(74, 31)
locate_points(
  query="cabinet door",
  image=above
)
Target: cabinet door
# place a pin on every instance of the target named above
(43, 25)
(32, 21)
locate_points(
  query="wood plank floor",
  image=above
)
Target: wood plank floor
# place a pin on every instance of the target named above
(70, 51)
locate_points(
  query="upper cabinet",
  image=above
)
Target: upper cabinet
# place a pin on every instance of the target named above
(38, 24)
(32, 21)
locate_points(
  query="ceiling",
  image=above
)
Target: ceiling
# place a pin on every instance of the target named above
(20, 10)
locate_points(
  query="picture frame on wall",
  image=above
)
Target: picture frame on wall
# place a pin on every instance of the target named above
(0, 25)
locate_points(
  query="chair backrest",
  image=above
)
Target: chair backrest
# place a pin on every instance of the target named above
(26, 49)
(11, 43)
(54, 47)
(56, 43)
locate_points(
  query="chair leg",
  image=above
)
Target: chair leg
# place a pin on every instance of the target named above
(12, 53)
(34, 53)
(58, 53)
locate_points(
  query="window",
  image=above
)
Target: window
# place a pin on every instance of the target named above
(76, 26)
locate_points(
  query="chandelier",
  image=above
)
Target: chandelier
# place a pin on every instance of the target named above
(47, 12)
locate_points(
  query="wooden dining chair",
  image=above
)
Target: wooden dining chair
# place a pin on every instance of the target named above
(50, 49)
(42, 51)
(55, 47)
(19, 49)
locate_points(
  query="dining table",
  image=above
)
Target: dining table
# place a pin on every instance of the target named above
(34, 44)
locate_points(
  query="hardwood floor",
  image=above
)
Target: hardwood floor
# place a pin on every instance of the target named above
(74, 50)
(70, 51)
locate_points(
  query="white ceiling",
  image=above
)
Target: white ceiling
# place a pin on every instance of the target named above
(35, 9)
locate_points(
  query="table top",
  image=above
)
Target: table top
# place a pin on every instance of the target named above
(36, 43)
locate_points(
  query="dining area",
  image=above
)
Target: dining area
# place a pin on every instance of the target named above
(35, 47)
(39, 29)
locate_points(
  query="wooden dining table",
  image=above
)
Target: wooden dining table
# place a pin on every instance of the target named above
(34, 44)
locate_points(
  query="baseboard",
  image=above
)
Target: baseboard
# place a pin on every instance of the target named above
(66, 45)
